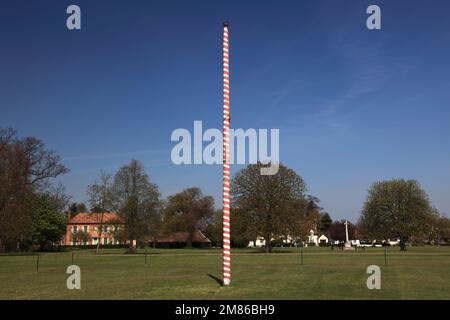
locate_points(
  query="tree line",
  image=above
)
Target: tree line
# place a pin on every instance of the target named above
(33, 212)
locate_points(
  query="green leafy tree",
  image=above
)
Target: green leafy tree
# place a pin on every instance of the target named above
(396, 208)
(49, 223)
(190, 211)
(438, 229)
(443, 228)
(325, 222)
(270, 206)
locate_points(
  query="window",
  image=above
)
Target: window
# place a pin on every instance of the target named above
(105, 229)
(75, 229)
(85, 228)
(105, 240)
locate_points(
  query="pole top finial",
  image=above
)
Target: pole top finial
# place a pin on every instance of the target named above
(225, 23)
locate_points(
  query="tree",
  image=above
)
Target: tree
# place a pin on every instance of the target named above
(313, 203)
(155, 226)
(81, 237)
(190, 211)
(137, 200)
(101, 194)
(26, 168)
(438, 227)
(101, 199)
(214, 230)
(396, 208)
(325, 222)
(337, 230)
(76, 208)
(49, 222)
(443, 227)
(268, 205)
(306, 222)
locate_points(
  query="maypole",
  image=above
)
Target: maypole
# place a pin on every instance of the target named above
(226, 161)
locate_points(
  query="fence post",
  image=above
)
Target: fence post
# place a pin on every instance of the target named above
(385, 256)
(37, 263)
(302, 255)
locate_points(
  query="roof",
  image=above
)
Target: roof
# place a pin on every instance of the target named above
(181, 236)
(94, 218)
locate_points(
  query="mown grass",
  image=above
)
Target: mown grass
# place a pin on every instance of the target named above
(420, 273)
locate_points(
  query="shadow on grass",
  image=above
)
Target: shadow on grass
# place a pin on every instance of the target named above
(219, 281)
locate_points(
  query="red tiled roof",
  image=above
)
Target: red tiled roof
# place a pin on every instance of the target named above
(94, 218)
(181, 236)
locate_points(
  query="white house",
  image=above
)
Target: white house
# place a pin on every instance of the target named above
(323, 239)
(260, 242)
(316, 239)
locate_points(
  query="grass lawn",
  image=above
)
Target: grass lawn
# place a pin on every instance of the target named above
(420, 273)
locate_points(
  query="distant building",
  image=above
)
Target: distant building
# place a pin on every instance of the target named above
(261, 242)
(315, 239)
(90, 223)
(323, 239)
(179, 239)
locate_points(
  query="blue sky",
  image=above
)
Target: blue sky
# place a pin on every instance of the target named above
(353, 106)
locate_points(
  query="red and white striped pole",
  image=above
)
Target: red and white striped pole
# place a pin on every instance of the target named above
(226, 160)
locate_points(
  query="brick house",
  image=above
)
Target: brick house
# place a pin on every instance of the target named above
(90, 223)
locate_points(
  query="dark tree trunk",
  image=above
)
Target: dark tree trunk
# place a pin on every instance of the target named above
(100, 233)
(189, 239)
(97, 248)
(403, 244)
(268, 245)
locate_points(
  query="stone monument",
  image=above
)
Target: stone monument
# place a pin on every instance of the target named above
(347, 245)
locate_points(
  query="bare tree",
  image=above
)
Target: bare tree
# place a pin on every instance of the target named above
(101, 200)
(137, 200)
